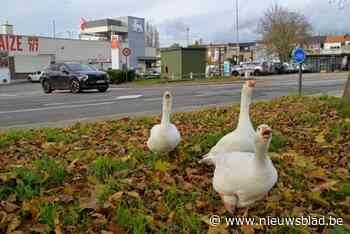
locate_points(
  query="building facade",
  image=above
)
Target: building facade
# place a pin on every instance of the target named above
(22, 55)
(183, 63)
(133, 32)
(229, 51)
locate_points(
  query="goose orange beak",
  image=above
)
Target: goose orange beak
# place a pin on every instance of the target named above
(266, 132)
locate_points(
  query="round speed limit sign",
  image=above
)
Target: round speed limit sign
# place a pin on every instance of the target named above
(126, 52)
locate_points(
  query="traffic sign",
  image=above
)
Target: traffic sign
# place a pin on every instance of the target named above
(126, 52)
(299, 55)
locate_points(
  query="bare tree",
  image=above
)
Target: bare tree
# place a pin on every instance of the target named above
(282, 29)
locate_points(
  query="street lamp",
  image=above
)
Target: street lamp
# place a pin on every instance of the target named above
(237, 32)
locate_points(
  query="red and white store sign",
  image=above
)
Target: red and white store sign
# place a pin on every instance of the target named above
(19, 44)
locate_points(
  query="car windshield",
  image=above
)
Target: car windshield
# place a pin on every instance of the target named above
(80, 67)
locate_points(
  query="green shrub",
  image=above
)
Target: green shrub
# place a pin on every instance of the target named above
(116, 76)
(120, 76)
(131, 75)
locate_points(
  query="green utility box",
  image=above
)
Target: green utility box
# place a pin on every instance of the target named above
(183, 63)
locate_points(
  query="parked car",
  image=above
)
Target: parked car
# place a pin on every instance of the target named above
(277, 68)
(254, 68)
(290, 68)
(75, 77)
(260, 68)
(238, 70)
(306, 68)
(153, 72)
(35, 77)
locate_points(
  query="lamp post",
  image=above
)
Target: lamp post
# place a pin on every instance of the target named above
(237, 32)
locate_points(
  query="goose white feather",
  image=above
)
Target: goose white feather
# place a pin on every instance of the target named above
(242, 178)
(242, 138)
(164, 137)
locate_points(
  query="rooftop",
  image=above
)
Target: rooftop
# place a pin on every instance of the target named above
(339, 38)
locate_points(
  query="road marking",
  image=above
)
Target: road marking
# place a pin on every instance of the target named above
(55, 104)
(209, 94)
(90, 101)
(56, 107)
(152, 99)
(8, 95)
(128, 97)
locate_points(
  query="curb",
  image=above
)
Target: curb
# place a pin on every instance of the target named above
(15, 83)
(176, 84)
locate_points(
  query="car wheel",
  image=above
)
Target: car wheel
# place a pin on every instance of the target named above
(75, 86)
(256, 73)
(47, 86)
(102, 89)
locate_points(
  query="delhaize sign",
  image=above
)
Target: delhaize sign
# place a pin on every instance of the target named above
(15, 44)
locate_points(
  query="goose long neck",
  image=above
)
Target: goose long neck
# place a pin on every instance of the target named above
(244, 117)
(262, 149)
(166, 112)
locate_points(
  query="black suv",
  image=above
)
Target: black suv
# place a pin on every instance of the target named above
(74, 77)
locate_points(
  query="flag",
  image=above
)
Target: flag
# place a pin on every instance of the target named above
(82, 24)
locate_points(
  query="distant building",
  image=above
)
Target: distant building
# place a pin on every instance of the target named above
(229, 51)
(333, 56)
(183, 63)
(337, 42)
(141, 37)
(315, 44)
(24, 54)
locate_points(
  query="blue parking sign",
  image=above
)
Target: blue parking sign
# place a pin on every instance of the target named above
(299, 55)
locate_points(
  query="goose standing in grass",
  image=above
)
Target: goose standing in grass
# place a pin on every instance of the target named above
(164, 137)
(242, 138)
(242, 178)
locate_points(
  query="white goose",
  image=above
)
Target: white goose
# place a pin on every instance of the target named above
(242, 138)
(242, 178)
(164, 136)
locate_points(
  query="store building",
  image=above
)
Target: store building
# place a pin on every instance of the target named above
(133, 32)
(22, 55)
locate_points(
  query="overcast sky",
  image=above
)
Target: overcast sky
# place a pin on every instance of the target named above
(211, 20)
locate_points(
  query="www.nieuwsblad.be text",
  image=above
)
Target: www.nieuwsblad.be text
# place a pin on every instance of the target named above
(216, 220)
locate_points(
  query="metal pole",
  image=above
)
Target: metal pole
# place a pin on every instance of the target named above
(188, 36)
(54, 28)
(126, 71)
(237, 32)
(300, 78)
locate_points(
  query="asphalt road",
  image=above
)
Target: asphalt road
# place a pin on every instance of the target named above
(25, 105)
